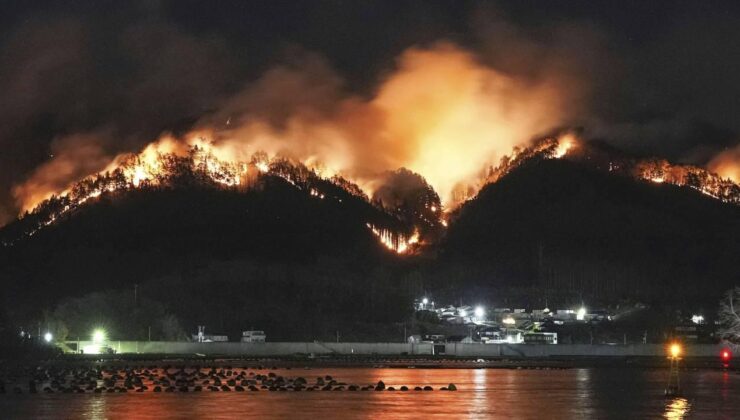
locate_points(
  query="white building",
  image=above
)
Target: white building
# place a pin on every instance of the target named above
(255, 336)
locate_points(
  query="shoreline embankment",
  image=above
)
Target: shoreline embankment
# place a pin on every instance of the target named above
(404, 355)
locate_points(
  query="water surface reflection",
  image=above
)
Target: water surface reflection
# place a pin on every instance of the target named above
(482, 393)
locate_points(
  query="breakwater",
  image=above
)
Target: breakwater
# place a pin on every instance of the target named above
(271, 349)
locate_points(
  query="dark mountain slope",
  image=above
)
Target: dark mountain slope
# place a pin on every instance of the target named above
(133, 237)
(558, 225)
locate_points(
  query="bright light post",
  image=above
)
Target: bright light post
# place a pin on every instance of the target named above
(480, 313)
(675, 350)
(674, 384)
(98, 336)
(581, 314)
(48, 337)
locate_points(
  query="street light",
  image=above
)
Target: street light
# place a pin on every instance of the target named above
(48, 337)
(98, 336)
(675, 350)
(425, 301)
(479, 312)
(674, 382)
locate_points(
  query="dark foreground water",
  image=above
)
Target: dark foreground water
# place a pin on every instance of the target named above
(591, 393)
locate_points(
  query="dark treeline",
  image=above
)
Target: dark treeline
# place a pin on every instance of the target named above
(290, 301)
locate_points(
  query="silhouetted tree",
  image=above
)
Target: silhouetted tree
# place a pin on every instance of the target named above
(729, 316)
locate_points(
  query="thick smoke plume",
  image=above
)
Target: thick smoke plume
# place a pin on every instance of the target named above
(82, 85)
(439, 113)
(73, 158)
(727, 164)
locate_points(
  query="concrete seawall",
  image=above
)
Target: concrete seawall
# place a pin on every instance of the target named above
(450, 349)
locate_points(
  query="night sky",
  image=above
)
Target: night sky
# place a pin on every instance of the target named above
(653, 77)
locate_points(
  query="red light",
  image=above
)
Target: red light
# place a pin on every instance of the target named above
(726, 355)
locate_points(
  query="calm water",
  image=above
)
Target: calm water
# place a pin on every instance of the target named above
(482, 393)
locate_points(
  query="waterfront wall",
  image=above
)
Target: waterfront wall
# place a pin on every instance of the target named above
(450, 349)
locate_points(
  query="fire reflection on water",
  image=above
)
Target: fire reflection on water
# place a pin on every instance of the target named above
(95, 408)
(677, 408)
(481, 393)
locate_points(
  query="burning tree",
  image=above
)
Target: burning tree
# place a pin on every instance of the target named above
(729, 316)
(407, 195)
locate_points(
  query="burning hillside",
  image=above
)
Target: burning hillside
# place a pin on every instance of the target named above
(654, 170)
(440, 113)
(414, 206)
(169, 164)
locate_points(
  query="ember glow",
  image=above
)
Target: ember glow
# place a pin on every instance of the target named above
(565, 143)
(398, 243)
(661, 171)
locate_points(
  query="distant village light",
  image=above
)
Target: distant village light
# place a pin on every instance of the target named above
(48, 337)
(697, 319)
(509, 321)
(425, 301)
(581, 314)
(479, 312)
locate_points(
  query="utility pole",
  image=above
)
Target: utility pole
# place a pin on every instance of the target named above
(136, 295)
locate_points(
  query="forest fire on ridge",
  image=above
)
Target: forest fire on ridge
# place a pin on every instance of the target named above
(166, 159)
(159, 162)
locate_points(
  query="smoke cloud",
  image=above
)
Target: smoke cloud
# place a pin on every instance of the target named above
(440, 113)
(73, 158)
(442, 93)
(727, 164)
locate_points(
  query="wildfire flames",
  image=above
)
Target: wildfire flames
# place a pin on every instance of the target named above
(398, 243)
(727, 164)
(657, 171)
(159, 161)
(661, 171)
(441, 114)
